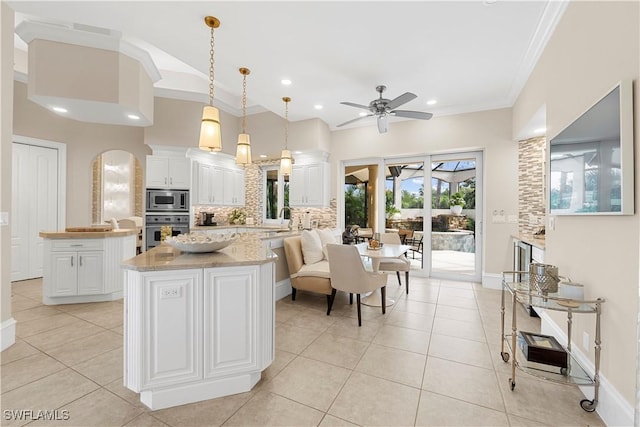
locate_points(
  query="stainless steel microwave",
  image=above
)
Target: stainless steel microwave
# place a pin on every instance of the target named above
(167, 200)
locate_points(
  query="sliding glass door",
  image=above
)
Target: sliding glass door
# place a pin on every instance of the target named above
(454, 248)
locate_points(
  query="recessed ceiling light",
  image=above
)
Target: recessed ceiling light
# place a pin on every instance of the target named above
(540, 130)
(60, 109)
(133, 117)
(318, 107)
(285, 82)
(432, 102)
(297, 152)
(263, 156)
(362, 114)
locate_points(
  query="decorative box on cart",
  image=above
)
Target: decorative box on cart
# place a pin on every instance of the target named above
(542, 349)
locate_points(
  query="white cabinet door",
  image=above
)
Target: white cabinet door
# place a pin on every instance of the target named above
(230, 323)
(64, 274)
(308, 186)
(171, 348)
(203, 181)
(168, 172)
(297, 185)
(179, 173)
(157, 172)
(217, 186)
(90, 273)
(239, 187)
(229, 187)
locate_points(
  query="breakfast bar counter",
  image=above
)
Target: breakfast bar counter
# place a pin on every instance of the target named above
(198, 325)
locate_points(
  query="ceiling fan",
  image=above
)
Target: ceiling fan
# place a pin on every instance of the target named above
(382, 107)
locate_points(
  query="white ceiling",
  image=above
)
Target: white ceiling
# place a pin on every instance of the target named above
(468, 55)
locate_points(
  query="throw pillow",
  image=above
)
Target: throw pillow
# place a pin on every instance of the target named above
(311, 247)
(326, 236)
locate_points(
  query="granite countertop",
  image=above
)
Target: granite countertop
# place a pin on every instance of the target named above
(87, 234)
(530, 239)
(197, 227)
(249, 249)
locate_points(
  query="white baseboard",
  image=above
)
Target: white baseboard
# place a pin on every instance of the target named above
(283, 288)
(7, 333)
(612, 407)
(492, 281)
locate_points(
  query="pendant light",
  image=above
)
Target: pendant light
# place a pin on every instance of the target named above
(285, 159)
(243, 153)
(210, 136)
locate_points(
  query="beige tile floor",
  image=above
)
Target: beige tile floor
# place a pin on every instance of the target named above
(432, 360)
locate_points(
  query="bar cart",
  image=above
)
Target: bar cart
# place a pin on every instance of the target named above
(516, 283)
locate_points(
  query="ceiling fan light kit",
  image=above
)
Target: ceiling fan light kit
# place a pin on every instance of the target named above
(210, 132)
(382, 108)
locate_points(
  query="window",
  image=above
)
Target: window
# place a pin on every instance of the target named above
(276, 195)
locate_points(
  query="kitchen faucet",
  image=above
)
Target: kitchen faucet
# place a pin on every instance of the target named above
(281, 215)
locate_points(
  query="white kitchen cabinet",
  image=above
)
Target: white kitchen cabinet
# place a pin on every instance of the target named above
(171, 336)
(230, 298)
(218, 185)
(168, 172)
(209, 184)
(197, 333)
(234, 194)
(84, 270)
(308, 186)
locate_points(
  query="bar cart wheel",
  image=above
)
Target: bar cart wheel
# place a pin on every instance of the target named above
(588, 405)
(512, 383)
(505, 356)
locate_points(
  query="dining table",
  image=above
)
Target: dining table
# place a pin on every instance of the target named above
(385, 251)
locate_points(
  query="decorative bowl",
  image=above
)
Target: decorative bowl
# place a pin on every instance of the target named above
(201, 242)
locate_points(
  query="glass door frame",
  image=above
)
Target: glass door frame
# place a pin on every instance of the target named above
(377, 161)
(478, 156)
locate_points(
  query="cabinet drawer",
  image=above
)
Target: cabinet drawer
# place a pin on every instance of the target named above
(78, 245)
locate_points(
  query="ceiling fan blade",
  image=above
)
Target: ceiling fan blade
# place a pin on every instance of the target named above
(352, 104)
(402, 99)
(412, 114)
(353, 120)
(382, 123)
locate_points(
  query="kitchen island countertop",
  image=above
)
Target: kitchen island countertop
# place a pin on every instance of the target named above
(87, 234)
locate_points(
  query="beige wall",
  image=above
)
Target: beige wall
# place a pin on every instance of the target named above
(6, 133)
(84, 142)
(489, 131)
(595, 45)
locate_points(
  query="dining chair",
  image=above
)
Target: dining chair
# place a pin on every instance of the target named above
(349, 275)
(394, 264)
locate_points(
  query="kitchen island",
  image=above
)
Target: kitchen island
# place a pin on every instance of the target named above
(198, 326)
(84, 266)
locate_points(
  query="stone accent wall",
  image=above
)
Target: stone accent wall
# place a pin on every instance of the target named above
(254, 203)
(531, 202)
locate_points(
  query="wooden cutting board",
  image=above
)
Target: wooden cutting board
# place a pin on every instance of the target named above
(88, 229)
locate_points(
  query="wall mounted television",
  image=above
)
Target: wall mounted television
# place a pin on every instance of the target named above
(591, 160)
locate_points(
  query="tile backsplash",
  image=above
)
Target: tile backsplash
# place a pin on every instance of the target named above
(531, 176)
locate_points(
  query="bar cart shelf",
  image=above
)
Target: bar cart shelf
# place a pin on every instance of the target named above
(516, 284)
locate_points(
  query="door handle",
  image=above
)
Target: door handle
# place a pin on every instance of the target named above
(171, 180)
(165, 180)
(80, 260)
(71, 261)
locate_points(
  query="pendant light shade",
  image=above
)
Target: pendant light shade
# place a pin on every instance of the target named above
(210, 132)
(210, 137)
(285, 162)
(285, 158)
(243, 150)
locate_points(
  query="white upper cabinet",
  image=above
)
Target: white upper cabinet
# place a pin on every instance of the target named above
(218, 185)
(168, 172)
(309, 186)
(234, 187)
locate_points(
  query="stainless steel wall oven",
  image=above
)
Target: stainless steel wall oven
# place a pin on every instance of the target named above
(179, 224)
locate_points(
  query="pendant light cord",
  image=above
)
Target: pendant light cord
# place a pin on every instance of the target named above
(286, 125)
(211, 51)
(244, 103)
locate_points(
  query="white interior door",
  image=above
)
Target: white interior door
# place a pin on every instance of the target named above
(34, 207)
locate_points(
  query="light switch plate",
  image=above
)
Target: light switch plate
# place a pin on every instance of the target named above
(4, 218)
